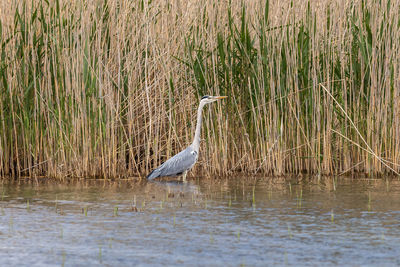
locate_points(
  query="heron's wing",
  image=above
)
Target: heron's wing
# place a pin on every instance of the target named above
(176, 165)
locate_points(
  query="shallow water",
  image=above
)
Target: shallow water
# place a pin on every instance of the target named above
(243, 221)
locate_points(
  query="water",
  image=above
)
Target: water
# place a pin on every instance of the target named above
(241, 221)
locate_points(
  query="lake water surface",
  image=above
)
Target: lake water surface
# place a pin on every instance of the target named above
(235, 221)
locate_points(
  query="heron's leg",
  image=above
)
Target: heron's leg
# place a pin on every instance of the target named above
(184, 176)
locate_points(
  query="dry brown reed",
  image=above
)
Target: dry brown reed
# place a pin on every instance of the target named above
(110, 88)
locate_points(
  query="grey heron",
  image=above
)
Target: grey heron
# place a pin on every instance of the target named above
(184, 160)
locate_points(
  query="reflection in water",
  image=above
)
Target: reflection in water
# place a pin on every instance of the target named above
(232, 221)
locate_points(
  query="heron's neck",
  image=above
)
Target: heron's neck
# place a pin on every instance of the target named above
(196, 140)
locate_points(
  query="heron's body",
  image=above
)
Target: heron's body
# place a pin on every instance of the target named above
(177, 165)
(184, 160)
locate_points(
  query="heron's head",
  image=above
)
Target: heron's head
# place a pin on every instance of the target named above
(209, 99)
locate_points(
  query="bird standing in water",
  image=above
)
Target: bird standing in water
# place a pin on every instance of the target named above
(184, 160)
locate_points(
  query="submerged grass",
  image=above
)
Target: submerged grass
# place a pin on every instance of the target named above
(110, 88)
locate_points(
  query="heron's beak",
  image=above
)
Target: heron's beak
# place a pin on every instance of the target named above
(220, 97)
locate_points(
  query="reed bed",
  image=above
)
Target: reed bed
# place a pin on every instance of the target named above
(110, 88)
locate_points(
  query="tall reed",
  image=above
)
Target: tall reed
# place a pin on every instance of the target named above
(110, 88)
